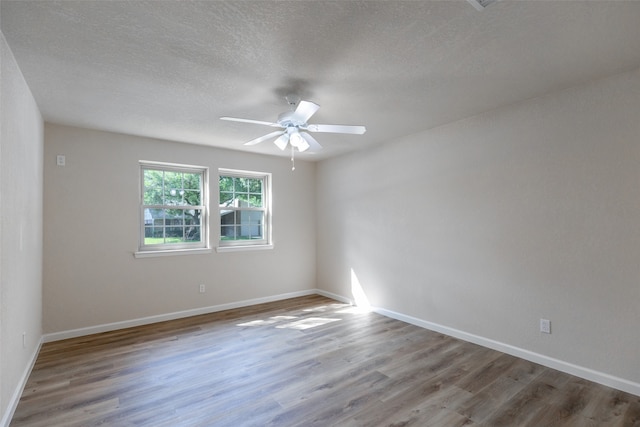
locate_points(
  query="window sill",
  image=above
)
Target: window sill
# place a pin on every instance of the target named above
(244, 248)
(153, 254)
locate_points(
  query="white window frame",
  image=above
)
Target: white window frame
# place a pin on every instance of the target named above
(258, 244)
(175, 248)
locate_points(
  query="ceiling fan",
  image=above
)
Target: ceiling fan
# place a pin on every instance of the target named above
(293, 125)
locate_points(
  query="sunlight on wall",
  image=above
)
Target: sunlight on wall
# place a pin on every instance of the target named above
(357, 291)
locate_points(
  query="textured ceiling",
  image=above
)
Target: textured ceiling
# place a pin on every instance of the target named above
(170, 69)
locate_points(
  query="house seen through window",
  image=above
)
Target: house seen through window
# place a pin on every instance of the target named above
(173, 208)
(243, 208)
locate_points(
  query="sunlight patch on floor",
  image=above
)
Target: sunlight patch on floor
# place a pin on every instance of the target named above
(270, 321)
(311, 322)
(323, 308)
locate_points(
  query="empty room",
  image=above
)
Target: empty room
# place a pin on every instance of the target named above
(428, 213)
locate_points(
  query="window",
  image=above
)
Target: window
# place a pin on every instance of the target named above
(244, 208)
(173, 209)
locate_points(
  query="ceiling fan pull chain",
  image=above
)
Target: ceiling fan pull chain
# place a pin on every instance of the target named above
(293, 162)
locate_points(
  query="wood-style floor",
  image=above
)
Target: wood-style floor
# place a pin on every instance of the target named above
(307, 361)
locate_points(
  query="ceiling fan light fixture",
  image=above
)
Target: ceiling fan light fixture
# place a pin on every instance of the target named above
(303, 146)
(282, 141)
(299, 142)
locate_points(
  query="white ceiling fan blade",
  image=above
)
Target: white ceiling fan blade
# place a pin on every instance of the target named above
(355, 130)
(282, 141)
(256, 122)
(264, 137)
(313, 144)
(304, 111)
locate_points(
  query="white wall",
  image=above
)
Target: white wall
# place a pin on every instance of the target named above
(21, 139)
(486, 225)
(91, 207)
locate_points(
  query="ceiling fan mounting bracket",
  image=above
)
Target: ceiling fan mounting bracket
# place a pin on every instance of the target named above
(292, 100)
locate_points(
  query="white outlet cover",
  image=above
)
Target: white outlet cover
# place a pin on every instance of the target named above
(545, 326)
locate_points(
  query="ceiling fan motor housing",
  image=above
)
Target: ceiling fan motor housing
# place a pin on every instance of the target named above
(286, 120)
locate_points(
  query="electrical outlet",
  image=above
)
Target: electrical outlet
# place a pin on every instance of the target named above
(61, 160)
(202, 288)
(545, 326)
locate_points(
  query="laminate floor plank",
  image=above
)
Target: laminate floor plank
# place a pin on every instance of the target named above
(308, 361)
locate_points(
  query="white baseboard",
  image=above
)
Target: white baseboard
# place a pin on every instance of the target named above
(334, 296)
(15, 398)
(550, 362)
(73, 333)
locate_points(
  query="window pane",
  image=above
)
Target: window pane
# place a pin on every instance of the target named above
(152, 187)
(153, 240)
(153, 232)
(174, 217)
(192, 181)
(174, 233)
(226, 199)
(226, 183)
(227, 217)
(255, 186)
(250, 225)
(192, 234)
(173, 196)
(173, 188)
(228, 232)
(192, 217)
(192, 197)
(255, 201)
(248, 201)
(154, 216)
(241, 185)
